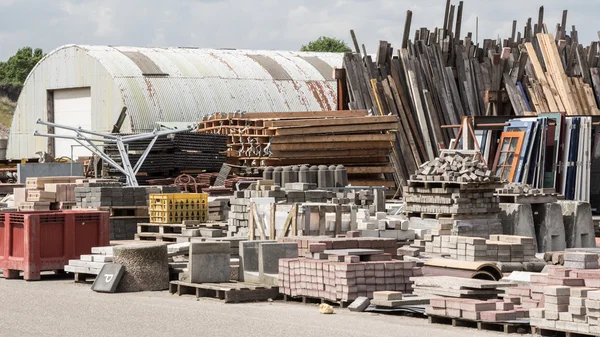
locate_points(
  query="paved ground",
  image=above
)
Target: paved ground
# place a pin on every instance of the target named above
(55, 307)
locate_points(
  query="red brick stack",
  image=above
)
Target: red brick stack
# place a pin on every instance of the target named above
(389, 246)
(344, 281)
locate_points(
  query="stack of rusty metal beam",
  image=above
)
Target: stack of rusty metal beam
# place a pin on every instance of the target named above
(360, 141)
(440, 76)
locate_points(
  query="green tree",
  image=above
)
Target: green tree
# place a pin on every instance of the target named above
(18, 66)
(326, 44)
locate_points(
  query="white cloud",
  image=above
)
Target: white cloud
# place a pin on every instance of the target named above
(259, 24)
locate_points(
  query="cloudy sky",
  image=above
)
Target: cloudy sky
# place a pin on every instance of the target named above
(259, 24)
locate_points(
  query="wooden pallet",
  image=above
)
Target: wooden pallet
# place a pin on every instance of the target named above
(232, 292)
(558, 333)
(157, 237)
(448, 216)
(126, 212)
(527, 198)
(453, 184)
(315, 300)
(506, 327)
(160, 228)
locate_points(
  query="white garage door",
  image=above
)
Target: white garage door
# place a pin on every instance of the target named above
(72, 107)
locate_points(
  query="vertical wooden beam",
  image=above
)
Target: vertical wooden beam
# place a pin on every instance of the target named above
(563, 25)
(354, 41)
(540, 22)
(459, 21)
(451, 21)
(338, 220)
(446, 12)
(272, 224)
(294, 212)
(407, 25)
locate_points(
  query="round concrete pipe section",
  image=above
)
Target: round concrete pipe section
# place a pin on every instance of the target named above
(268, 173)
(304, 175)
(323, 176)
(146, 267)
(341, 176)
(277, 175)
(465, 268)
(331, 176)
(288, 176)
(313, 174)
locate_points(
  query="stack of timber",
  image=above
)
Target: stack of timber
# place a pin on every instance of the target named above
(355, 139)
(441, 75)
(181, 152)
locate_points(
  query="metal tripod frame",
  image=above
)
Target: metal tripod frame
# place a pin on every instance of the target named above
(84, 140)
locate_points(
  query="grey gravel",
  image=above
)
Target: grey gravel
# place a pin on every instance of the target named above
(146, 267)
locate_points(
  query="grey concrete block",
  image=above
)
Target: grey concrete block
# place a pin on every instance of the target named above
(579, 227)
(270, 253)
(211, 233)
(517, 219)
(209, 262)
(248, 251)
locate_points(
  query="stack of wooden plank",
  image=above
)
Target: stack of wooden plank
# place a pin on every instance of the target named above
(441, 76)
(355, 139)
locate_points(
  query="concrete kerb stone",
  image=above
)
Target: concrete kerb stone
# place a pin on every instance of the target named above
(579, 227)
(550, 229)
(517, 219)
(270, 253)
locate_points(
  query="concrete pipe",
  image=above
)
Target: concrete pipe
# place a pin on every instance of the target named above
(313, 173)
(146, 267)
(268, 173)
(277, 175)
(475, 270)
(304, 175)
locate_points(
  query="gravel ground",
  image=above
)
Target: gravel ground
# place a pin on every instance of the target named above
(59, 307)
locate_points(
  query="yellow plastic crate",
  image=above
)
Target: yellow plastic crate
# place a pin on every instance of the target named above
(178, 202)
(178, 216)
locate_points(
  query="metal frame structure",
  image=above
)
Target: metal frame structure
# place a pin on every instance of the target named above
(84, 140)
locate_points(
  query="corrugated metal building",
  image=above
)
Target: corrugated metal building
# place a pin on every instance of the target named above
(89, 85)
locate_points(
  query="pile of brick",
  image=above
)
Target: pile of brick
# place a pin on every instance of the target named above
(493, 310)
(457, 189)
(387, 245)
(346, 280)
(456, 166)
(238, 216)
(458, 287)
(218, 209)
(501, 248)
(111, 195)
(46, 193)
(383, 225)
(518, 188)
(568, 309)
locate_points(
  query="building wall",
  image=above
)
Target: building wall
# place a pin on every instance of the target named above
(68, 67)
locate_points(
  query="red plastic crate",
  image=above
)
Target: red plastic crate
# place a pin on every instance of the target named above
(33, 242)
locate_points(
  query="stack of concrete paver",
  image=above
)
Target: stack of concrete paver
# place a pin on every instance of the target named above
(46, 193)
(218, 209)
(383, 225)
(493, 310)
(568, 309)
(238, 216)
(113, 195)
(344, 280)
(458, 190)
(388, 246)
(501, 248)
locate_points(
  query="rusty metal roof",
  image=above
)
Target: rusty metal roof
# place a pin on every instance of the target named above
(172, 85)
